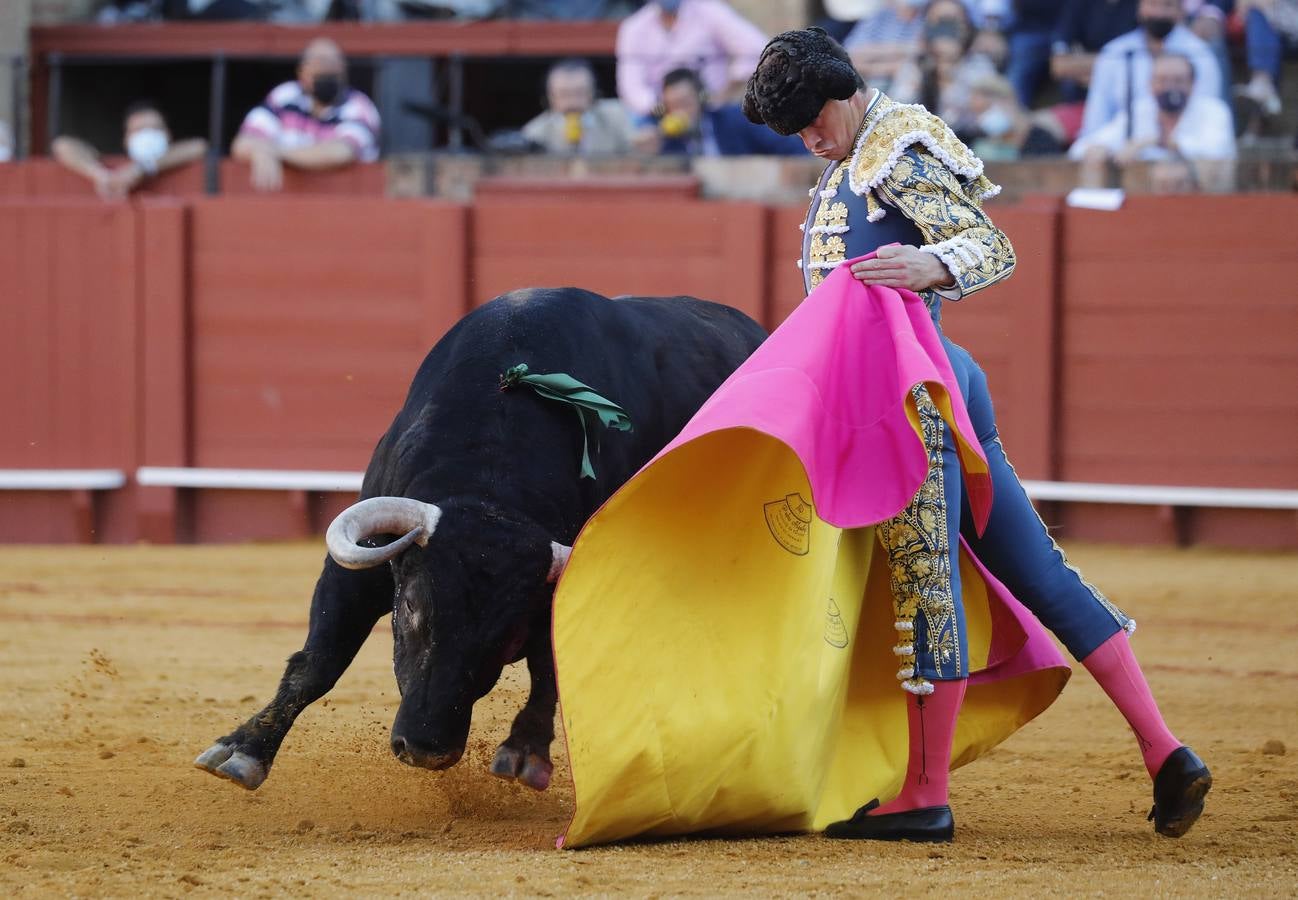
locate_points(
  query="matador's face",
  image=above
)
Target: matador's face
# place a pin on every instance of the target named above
(829, 136)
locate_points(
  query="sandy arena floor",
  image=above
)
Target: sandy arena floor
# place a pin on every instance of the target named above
(118, 665)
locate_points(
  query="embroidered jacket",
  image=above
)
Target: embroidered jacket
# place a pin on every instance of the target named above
(907, 165)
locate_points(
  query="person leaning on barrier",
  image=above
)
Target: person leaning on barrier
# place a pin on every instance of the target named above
(149, 151)
(576, 121)
(315, 123)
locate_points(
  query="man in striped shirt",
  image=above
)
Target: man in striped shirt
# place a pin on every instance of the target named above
(314, 123)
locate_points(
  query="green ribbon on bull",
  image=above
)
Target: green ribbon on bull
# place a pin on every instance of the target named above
(566, 389)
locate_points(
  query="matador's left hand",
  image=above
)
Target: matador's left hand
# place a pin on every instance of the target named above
(903, 266)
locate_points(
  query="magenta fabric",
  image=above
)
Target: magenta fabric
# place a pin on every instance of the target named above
(833, 383)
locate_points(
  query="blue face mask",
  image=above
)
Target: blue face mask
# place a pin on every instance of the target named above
(995, 122)
(671, 7)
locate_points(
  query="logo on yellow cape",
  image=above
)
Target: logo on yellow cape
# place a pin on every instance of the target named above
(789, 521)
(835, 630)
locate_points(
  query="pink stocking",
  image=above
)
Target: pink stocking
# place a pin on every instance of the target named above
(931, 720)
(1114, 666)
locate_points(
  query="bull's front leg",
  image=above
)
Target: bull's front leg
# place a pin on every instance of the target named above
(344, 609)
(525, 754)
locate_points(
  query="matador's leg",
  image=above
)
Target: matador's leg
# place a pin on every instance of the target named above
(922, 543)
(1018, 550)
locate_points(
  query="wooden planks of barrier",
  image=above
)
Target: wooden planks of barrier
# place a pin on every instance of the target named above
(1147, 346)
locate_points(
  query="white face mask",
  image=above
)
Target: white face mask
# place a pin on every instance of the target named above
(995, 122)
(146, 146)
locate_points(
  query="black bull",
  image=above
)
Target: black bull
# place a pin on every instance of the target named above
(487, 493)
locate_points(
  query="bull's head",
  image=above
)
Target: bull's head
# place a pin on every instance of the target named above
(465, 605)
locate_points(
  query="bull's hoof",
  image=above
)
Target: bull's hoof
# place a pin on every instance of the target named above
(224, 761)
(530, 769)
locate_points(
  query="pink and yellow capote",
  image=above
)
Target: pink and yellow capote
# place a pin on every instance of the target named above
(723, 631)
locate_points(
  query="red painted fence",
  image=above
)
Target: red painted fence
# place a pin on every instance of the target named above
(1152, 345)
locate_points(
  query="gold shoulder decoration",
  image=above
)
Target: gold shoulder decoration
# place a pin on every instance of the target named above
(894, 128)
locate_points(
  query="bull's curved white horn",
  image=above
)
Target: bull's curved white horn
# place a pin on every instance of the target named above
(558, 559)
(413, 519)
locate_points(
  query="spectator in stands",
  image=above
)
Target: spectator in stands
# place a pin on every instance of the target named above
(1128, 60)
(685, 124)
(1270, 32)
(1183, 130)
(705, 35)
(6, 143)
(314, 123)
(879, 44)
(1085, 26)
(149, 151)
(1005, 130)
(1030, 38)
(940, 69)
(575, 120)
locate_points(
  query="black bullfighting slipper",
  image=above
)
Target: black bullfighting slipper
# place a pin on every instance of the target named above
(932, 825)
(1179, 788)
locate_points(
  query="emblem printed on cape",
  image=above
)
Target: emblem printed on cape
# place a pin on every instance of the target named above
(789, 521)
(835, 630)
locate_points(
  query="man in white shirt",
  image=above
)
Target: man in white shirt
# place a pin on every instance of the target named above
(1173, 125)
(1132, 55)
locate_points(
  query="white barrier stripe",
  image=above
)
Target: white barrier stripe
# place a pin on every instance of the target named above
(1159, 495)
(61, 479)
(249, 479)
(298, 480)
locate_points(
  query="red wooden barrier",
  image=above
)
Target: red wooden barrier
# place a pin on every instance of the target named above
(309, 319)
(45, 178)
(283, 332)
(1180, 355)
(715, 251)
(361, 180)
(68, 344)
(42, 178)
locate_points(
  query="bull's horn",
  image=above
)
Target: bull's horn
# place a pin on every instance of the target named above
(558, 559)
(413, 519)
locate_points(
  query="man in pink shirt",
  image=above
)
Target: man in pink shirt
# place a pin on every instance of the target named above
(704, 35)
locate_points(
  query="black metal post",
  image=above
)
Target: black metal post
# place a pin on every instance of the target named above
(54, 100)
(215, 124)
(455, 77)
(16, 126)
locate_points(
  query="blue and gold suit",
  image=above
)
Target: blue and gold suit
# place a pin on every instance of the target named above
(909, 180)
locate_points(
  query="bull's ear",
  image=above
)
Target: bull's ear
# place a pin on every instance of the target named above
(558, 559)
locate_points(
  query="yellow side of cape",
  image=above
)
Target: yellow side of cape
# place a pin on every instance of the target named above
(725, 657)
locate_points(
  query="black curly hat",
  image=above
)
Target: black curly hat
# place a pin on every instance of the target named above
(797, 73)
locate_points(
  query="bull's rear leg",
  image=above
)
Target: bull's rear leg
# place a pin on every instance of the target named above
(525, 754)
(344, 609)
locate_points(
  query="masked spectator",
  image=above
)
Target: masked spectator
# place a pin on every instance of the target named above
(704, 35)
(1172, 124)
(1005, 130)
(940, 71)
(575, 120)
(685, 125)
(1128, 60)
(314, 123)
(149, 151)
